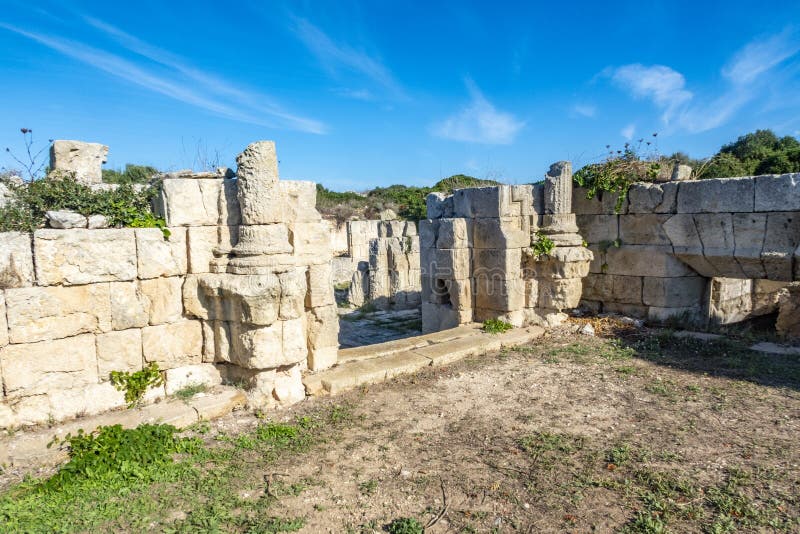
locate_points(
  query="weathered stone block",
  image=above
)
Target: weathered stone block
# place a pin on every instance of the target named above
(128, 307)
(163, 299)
(119, 351)
(81, 159)
(452, 264)
(597, 287)
(229, 212)
(717, 195)
(777, 193)
(16, 260)
(310, 240)
(299, 201)
(178, 378)
(502, 263)
(36, 368)
(202, 241)
(481, 202)
(319, 279)
(266, 347)
(323, 337)
(428, 233)
(43, 313)
(674, 292)
(3, 321)
(643, 229)
(251, 299)
(174, 344)
(289, 387)
(560, 294)
(780, 242)
(439, 205)
(652, 198)
(507, 232)
(626, 289)
(438, 317)
(598, 228)
(454, 233)
(748, 237)
(716, 234)
(158, 256)
(644, 260)
(499, 294)
(190, 201)
(293, 293)
(73, 257)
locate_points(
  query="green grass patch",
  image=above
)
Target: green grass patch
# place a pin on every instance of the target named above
(496, 326)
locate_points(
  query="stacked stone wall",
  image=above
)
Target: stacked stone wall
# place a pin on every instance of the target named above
(657, 256)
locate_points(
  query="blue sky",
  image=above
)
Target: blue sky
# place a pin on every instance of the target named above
(359, 94)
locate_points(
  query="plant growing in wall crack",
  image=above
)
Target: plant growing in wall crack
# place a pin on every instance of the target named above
(543, 245)
(136, 384)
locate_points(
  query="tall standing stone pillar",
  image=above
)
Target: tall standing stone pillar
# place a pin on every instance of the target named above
(268, 309)
(554, 280)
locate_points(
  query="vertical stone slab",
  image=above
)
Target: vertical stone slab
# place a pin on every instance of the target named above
(83, 160)
(16, 260)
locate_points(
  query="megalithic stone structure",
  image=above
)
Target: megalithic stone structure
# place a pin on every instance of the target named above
(558, 221)
(269, 305)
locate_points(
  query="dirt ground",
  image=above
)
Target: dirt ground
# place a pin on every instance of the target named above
(635, 432)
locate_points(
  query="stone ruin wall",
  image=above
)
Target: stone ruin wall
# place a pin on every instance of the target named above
(711, 251)
(76, 304)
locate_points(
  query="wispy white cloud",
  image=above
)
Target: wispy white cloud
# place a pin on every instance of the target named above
(743, 73)
(355, 94)
(628, 131)
(336, 57)
(663, 85)
(584, 110)
(760, 56)
(202, 90)
(479, 122)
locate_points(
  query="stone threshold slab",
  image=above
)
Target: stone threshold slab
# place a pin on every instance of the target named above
(29, 448)
(439, 349)
(407, 343)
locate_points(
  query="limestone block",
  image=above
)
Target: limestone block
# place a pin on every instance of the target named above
(777, 192)
(644, 260)
(119, 351)
(629, 310)
(16, 260)
(454, 233)
(65, 219)
(716, 233)
(562, 262)
(596, 287)
(95, 222)
(229, 212)
(179, 378)
(560, 294)
(499, 294)
(598, 228)
(129, 309)
(174, 344)
(458, 294)
(289, 387)
(598, 263)
(310, 240)
(73, 257)
(674, 292)
(582, 205)
(531, 293)
(717, 195)
(748, 236)
(643, 229)
(452, 264)
(89, 400)
(652, 198)
(254, 240)
(293, 293)
(202, 241)
(299, 200)
(258, 162)
(319, 279)
(438, 317)
(359, 286)
(481, 202)
(221, 340)
(687, 315)
(508, 232)
(780, 242)
(625, 289)
(323, 337)
(502, 263)
(523, 195)
(266, 347)
(190, 201)
(410, 228)
(43, 313)
(609, 201)
(158, 256)
(81, 159)
(392, 228)
(788, 322)
(3, 321)
(209, 351)
(251, 299)
(439, 205)
(428, 233)
(36, 368)
(163, 299)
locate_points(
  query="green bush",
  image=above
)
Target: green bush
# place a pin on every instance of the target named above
(759, 152)
(496, 326)
(133, 174)
(136, 384)
(123, 206)
(405, 525)
(543, 245)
